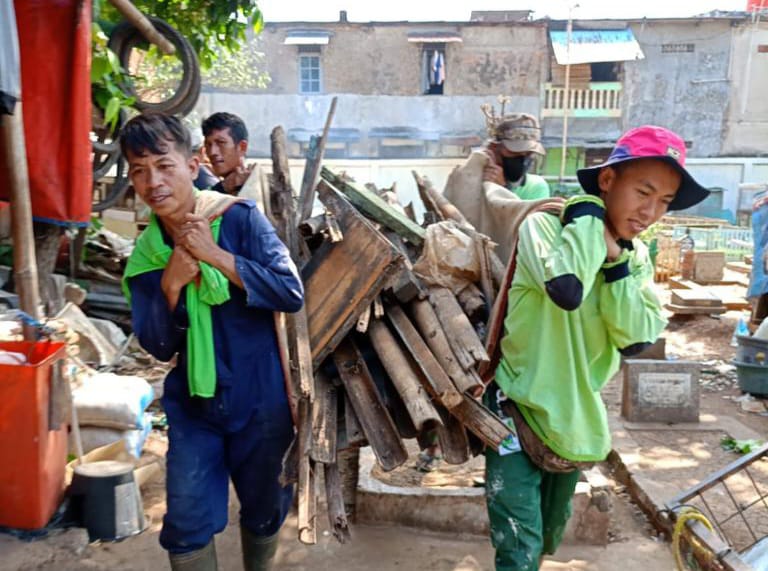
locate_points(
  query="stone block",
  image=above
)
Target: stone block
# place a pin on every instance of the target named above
(591, 518)
(660, 391)
(708, 267)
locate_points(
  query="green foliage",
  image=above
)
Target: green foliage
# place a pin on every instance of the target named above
(238, 71)
(212, 27)
(740, 446)
(106, 74)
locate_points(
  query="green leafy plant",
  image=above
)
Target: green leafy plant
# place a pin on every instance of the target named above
(740, 446)
(106, 75)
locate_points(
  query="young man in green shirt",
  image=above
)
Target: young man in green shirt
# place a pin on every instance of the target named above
(580, 297)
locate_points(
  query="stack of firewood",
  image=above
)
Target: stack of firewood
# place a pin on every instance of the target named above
(378, 354)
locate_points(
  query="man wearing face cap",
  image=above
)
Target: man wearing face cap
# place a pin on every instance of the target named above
(493, 189)
(512, 152)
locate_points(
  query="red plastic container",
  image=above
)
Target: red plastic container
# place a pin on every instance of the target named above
(33, 457)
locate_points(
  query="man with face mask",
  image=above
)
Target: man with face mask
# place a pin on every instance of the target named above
(494, 189)
(512, 153)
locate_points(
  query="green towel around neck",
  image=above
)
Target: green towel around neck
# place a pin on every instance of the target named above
(152, 253)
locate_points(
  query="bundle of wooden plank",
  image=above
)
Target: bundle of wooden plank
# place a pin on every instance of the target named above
(376, 355)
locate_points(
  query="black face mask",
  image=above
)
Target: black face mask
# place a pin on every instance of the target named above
(515, 167)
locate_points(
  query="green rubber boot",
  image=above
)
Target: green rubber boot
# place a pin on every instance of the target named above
(201, 560)
(258, 552)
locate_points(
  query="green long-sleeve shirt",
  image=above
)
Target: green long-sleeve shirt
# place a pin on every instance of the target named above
(570, 315)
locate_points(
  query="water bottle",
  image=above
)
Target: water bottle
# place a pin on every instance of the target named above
(741, 330)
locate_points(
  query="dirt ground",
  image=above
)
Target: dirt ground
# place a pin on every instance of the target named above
(633, 545)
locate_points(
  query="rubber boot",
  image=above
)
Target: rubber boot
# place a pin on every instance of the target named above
(258, 551)
(200, 560)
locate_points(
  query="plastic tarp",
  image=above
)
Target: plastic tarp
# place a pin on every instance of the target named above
(759, 283)
(55, 48)
(10, 82)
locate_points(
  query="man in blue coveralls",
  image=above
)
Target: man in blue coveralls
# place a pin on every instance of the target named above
(204, 280)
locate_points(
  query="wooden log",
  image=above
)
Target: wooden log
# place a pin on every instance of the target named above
(376, 208)
(426, 199)
(453, 438)
(324, 421)
(429, 326)
(461, 335)
(337, 514)
(405, 379)
(312, 167)
(482, 422)
(295, 325)
(378, 426)
(143, 25)
(342, 279)
(444, 206)
(473, 303)
(407, 285)
(306, 490)
(353, 430)
(438, 383)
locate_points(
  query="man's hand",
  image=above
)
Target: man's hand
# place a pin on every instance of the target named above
(234, 180)
(614, 250)
(493, 171)
(196, 238)
(182, 268)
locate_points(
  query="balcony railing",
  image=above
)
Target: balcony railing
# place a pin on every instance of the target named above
(600, 99)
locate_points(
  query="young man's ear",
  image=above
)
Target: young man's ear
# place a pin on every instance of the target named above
(605, 178)
(242, 146)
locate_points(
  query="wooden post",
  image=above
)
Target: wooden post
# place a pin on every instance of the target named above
(481, 421)
(378, 426)
(312, 167)
(337, 514)
(404, 378)
(461, 335)
(324, 421)
(296, 325)
(453, 438)
(438, 382)
(142, 23)
(307, 487)
(24, 264)
(445, 209)
(429, 326)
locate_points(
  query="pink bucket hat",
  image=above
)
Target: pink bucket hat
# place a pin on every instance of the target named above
(650, 142)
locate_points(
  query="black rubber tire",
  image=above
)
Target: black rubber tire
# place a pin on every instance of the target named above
(116, 193)
(125, 37)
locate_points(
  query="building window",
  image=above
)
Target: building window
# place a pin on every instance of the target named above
(309, 71)
(605, 71)
(433, 64)
(678, 48)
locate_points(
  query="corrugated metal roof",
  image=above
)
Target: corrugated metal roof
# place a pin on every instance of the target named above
(590, 46)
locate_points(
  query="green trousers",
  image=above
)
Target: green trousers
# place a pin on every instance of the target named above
(527, 508)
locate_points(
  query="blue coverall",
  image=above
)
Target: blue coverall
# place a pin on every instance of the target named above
(244, 430)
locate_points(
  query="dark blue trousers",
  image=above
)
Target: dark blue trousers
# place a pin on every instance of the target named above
(202, 457)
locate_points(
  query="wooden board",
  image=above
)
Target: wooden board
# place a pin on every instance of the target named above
(375, 207)
(692, 310)
(342, 279)
(697, 297)
(740, 267)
